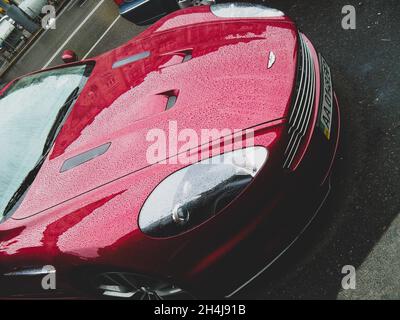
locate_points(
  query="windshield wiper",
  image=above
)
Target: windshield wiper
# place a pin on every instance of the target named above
(30, 177)
(17, 196)
(59, 120)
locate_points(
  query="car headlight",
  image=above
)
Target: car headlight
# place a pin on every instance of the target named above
(198, 192)
(244, 10)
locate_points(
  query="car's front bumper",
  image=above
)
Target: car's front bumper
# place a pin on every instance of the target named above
(305, 202)
(273, 215)
(274, 224)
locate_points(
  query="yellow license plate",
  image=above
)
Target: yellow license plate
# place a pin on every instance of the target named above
(325, 120)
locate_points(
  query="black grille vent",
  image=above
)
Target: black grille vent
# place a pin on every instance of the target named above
(303, 104)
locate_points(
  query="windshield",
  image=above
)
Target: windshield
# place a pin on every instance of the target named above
(31, 114)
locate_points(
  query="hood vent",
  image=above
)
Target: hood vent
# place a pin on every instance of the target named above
(177, 57)
(84, 157)
(172, 97)
(131, 59)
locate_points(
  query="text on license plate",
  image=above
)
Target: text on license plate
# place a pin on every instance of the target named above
(325, 120)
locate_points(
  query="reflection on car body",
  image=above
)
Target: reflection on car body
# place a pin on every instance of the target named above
(113, 223)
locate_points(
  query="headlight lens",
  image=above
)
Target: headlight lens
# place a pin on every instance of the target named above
(198, 192)
(244, 10)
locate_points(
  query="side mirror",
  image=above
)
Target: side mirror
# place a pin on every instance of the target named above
(69, 56)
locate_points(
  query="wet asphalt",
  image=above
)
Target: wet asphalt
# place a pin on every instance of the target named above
(360, 223)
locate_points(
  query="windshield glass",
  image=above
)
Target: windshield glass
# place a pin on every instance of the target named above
(29, 112)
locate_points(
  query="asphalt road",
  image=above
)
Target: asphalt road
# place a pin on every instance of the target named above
(360, 223)
(89, 28)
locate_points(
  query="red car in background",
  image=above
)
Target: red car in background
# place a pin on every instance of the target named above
(84, 195)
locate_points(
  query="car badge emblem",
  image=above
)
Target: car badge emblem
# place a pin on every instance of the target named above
(271, 60)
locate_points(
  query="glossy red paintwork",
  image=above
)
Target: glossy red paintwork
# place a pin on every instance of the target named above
(88, 215)
(69, 56)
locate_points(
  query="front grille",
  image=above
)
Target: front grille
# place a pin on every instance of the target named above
(302, 108)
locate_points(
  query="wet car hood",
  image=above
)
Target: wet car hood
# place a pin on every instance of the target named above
(226, 82)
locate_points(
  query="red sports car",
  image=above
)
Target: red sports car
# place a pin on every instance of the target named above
(181, 164)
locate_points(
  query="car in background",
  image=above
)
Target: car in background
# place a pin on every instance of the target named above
(88, 191)
(7, 26)
(33, 8)
(10, 34)
(142, 12)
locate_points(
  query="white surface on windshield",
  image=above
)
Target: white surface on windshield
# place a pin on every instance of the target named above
(23, 130)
